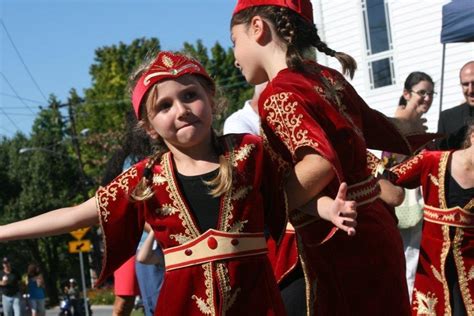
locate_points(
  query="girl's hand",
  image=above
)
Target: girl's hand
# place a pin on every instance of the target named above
(340, 212)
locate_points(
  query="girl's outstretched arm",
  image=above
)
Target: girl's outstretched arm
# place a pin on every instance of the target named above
(146, 254)
(55, 222)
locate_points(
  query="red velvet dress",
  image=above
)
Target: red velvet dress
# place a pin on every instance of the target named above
(360, 275)
(431, 295)
(221, 271)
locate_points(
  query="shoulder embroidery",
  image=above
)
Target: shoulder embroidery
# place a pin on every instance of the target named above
(104, 197)
(333, 92)
(286, 123)
(242, 153)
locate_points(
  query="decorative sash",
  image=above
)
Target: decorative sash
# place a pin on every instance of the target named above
(214, 245)
(455, 216)
(364, 192)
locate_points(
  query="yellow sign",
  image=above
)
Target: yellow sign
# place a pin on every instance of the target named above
(80, 246)
(79, 233)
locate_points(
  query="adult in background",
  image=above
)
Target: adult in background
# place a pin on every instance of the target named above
(36, 290)
(10, 288)
(416, 100)
(453, 121)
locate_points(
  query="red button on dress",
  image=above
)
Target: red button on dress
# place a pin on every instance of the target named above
(188, 252)
(234, 242)
(212, 242)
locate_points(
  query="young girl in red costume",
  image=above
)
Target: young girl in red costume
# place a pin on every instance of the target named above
(319, 127)
(443, 281)
(204, 197)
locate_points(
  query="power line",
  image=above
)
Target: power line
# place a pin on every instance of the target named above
(9, 118)
(22, 61)
(14, 91)
(20, 98)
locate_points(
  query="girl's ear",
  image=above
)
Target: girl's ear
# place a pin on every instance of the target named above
(406, 94)
(151, 131)
(258, 28)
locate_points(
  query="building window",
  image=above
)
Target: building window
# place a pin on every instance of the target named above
(378, 42)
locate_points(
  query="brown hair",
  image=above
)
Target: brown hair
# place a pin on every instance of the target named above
(298, 34)
(222, 182)
(469, 131)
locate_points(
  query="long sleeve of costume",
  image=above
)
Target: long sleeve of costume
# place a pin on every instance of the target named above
(121, 220)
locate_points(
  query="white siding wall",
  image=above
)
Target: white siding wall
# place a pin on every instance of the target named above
(415, 29)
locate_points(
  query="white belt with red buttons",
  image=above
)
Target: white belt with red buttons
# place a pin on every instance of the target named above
(214, 245)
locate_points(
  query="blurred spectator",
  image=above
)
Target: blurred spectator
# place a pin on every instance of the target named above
(453, 121)
(36, 290)
(10, 288)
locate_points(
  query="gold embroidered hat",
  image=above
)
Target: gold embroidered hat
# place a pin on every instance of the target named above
(302, 7)
(167, 65)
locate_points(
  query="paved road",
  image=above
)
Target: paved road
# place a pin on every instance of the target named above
(99, 310)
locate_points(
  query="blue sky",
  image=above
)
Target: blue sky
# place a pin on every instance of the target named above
(56, 40)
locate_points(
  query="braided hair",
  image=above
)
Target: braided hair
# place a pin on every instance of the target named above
(298, 34)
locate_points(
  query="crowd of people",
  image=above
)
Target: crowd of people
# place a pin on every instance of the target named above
(288, 212)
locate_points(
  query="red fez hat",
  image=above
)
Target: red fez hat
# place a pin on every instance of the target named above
(302, 7)
(167, 65)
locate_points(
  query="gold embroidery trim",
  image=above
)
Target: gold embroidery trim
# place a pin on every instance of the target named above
(190, 229)
(408, 165)
(206, 306)
(443, 162)
(444, 254)
(462, 276)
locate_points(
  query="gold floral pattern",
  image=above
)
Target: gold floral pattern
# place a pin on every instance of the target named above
(206, 306)
(242, 154)
(425, 304)
(228, 298)
(108, 194)
(408, 165)
(282, 117)
(433, 179)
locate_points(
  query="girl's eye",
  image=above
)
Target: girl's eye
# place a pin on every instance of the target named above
(164, 106)
(190, 95)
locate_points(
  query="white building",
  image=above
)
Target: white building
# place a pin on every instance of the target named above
(401, 36)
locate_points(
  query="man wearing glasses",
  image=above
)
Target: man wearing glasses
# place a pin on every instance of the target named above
(452, 122)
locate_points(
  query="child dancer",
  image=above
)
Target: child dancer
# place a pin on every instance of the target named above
(203, 196)
(443, 281)
(318, 126)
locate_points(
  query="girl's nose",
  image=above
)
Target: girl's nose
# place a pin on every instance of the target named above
(183, 110)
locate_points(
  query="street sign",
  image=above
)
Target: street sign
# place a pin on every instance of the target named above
(79, 233)
(80, 246)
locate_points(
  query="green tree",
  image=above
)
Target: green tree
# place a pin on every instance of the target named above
(45, 176)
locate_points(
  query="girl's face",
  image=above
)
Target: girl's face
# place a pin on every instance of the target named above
(421, 95)
(247, 55)
(181, 113)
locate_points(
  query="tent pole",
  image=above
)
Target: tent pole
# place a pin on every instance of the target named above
(442, 81)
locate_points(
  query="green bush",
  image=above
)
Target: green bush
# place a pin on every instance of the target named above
(101, 296)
